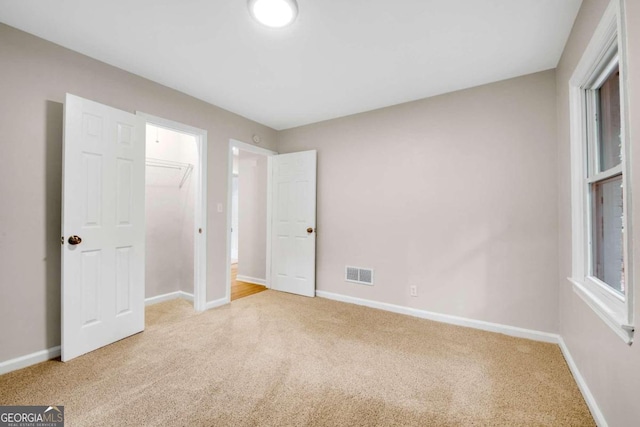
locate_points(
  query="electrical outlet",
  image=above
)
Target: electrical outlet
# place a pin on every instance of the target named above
(413, 290)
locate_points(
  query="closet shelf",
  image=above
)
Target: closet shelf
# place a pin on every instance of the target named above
(169, 164)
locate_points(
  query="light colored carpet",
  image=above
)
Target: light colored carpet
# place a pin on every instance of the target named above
(274, 359)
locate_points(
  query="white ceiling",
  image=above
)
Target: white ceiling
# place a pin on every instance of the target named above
(339, 57)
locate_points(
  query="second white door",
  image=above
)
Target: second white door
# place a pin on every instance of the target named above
(293, 222)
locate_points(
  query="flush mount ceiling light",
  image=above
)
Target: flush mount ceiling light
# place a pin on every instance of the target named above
(274, 13)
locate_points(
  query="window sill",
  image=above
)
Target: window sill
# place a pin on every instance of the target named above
(612, 319)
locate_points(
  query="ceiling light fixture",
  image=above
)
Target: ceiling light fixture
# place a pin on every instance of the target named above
(274, 13)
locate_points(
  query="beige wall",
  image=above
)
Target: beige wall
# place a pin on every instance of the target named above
(252, 215)
(610, 368)
(455, 194)
(34, 77)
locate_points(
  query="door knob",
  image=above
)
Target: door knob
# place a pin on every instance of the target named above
(309, 230)
(75, 240)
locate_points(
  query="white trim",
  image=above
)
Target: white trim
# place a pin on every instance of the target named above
(607, 45)
(626, 159)
(596, 413)
(217, 303)
(250, 148)
(161, 298)
(253, 280)
(609, 173)
(578, 228)
(168, 297)
(446, 318)
(599, 47)
(234, 143)
(29, 359)
(269, 218)
(622, 329)
(200, 215)
(186, 296)
(53, 352)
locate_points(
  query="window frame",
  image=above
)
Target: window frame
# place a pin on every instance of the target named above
(606, 49)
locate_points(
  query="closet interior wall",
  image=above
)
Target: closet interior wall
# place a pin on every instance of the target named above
(170, 207)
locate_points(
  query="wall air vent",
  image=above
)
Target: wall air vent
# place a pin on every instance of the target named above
(363, 276)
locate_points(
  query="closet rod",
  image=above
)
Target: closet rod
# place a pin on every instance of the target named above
(170, 164)
(163, 166)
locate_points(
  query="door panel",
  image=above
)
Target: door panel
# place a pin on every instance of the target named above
(293, 248)
(123, 280)
(103, 203)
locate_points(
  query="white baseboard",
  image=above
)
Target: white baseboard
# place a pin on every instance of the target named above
(492, 327)
(168, 297)
(253, 280)
(217, 303)
(445, 318)
(162, 298)
(53, 352)
(582, 385)
(29, 359)
(186, 296)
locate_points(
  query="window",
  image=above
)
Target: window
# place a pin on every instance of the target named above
(604, 180)
(601, 226)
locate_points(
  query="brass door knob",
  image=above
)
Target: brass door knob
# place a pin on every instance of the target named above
(75, 240)
(309, 230)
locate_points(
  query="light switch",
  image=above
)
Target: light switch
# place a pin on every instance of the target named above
(219, 207)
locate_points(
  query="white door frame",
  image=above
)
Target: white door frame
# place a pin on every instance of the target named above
(200, 217)
(233, 143)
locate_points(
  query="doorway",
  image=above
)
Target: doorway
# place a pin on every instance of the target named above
(175, 196)
(104, 224)
(171, 158)
(248, 234)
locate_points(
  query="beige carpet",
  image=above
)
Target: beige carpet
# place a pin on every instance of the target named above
(274, 359)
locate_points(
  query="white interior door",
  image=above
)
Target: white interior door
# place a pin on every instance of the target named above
(103, 227)
(293, 223)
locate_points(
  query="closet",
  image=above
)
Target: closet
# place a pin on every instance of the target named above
(171, 159)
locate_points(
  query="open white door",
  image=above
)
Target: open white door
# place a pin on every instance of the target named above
(103, 226)
(293, 223)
